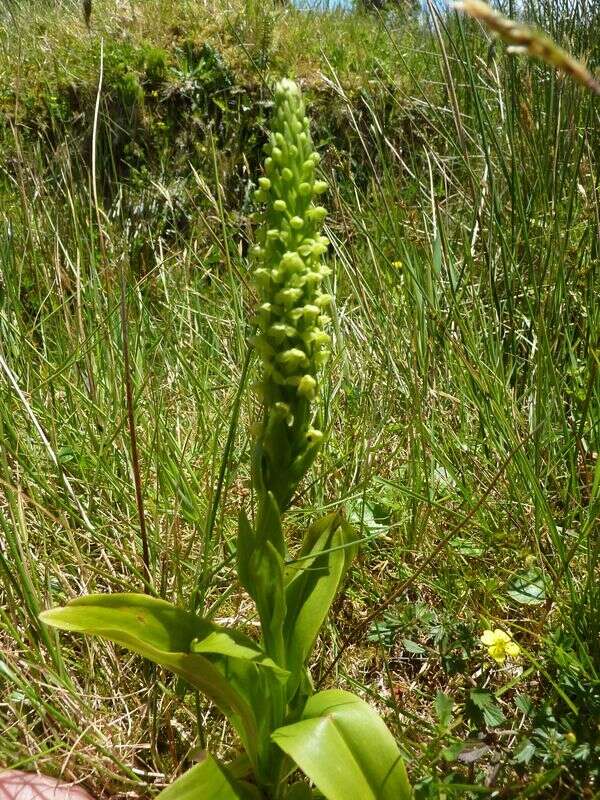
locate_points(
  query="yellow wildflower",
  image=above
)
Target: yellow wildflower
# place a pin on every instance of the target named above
(500, 645)
(397, 264)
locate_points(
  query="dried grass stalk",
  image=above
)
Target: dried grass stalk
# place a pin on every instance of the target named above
(523, 39)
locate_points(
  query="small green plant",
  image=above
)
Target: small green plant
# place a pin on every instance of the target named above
(265, 689)
(155, 63)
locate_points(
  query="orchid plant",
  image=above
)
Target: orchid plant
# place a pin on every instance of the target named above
(296, 743)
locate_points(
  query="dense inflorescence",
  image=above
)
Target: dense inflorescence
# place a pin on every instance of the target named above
(291, 316)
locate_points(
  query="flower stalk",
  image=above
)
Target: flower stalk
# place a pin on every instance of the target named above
(291, 316)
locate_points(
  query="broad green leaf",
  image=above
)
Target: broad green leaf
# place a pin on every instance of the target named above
(524, 751)
(413, 647)
(345, 749)
(486, 704)
(231, 643)
(268, 524)
(443, 708)
(528, 588)
(266, 572)
(363, 515)
(227, 666)
(260, 559)
(311, 590)
(208, 780)
(260, 556)
(311, 537)
(493, 716)
(164, 626)
(245, 548)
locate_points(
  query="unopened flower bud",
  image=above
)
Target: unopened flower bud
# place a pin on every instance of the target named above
(292, 359)
(314, 278)
(262, 278)
(317, 214)
(278, 332)
(287, 297)
(310, 311)
(262, 346)
(317, 338)
(263, 315)
(314, 436)
(291, 262)
(307, 387)
(282, 410)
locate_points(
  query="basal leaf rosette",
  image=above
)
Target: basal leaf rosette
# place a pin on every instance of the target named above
(291, 317)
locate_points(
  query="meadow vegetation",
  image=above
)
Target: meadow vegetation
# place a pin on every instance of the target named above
(461, 400)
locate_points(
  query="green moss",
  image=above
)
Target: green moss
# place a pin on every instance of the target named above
(177, 88)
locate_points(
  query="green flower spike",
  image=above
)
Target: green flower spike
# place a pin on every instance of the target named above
(290, 318)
